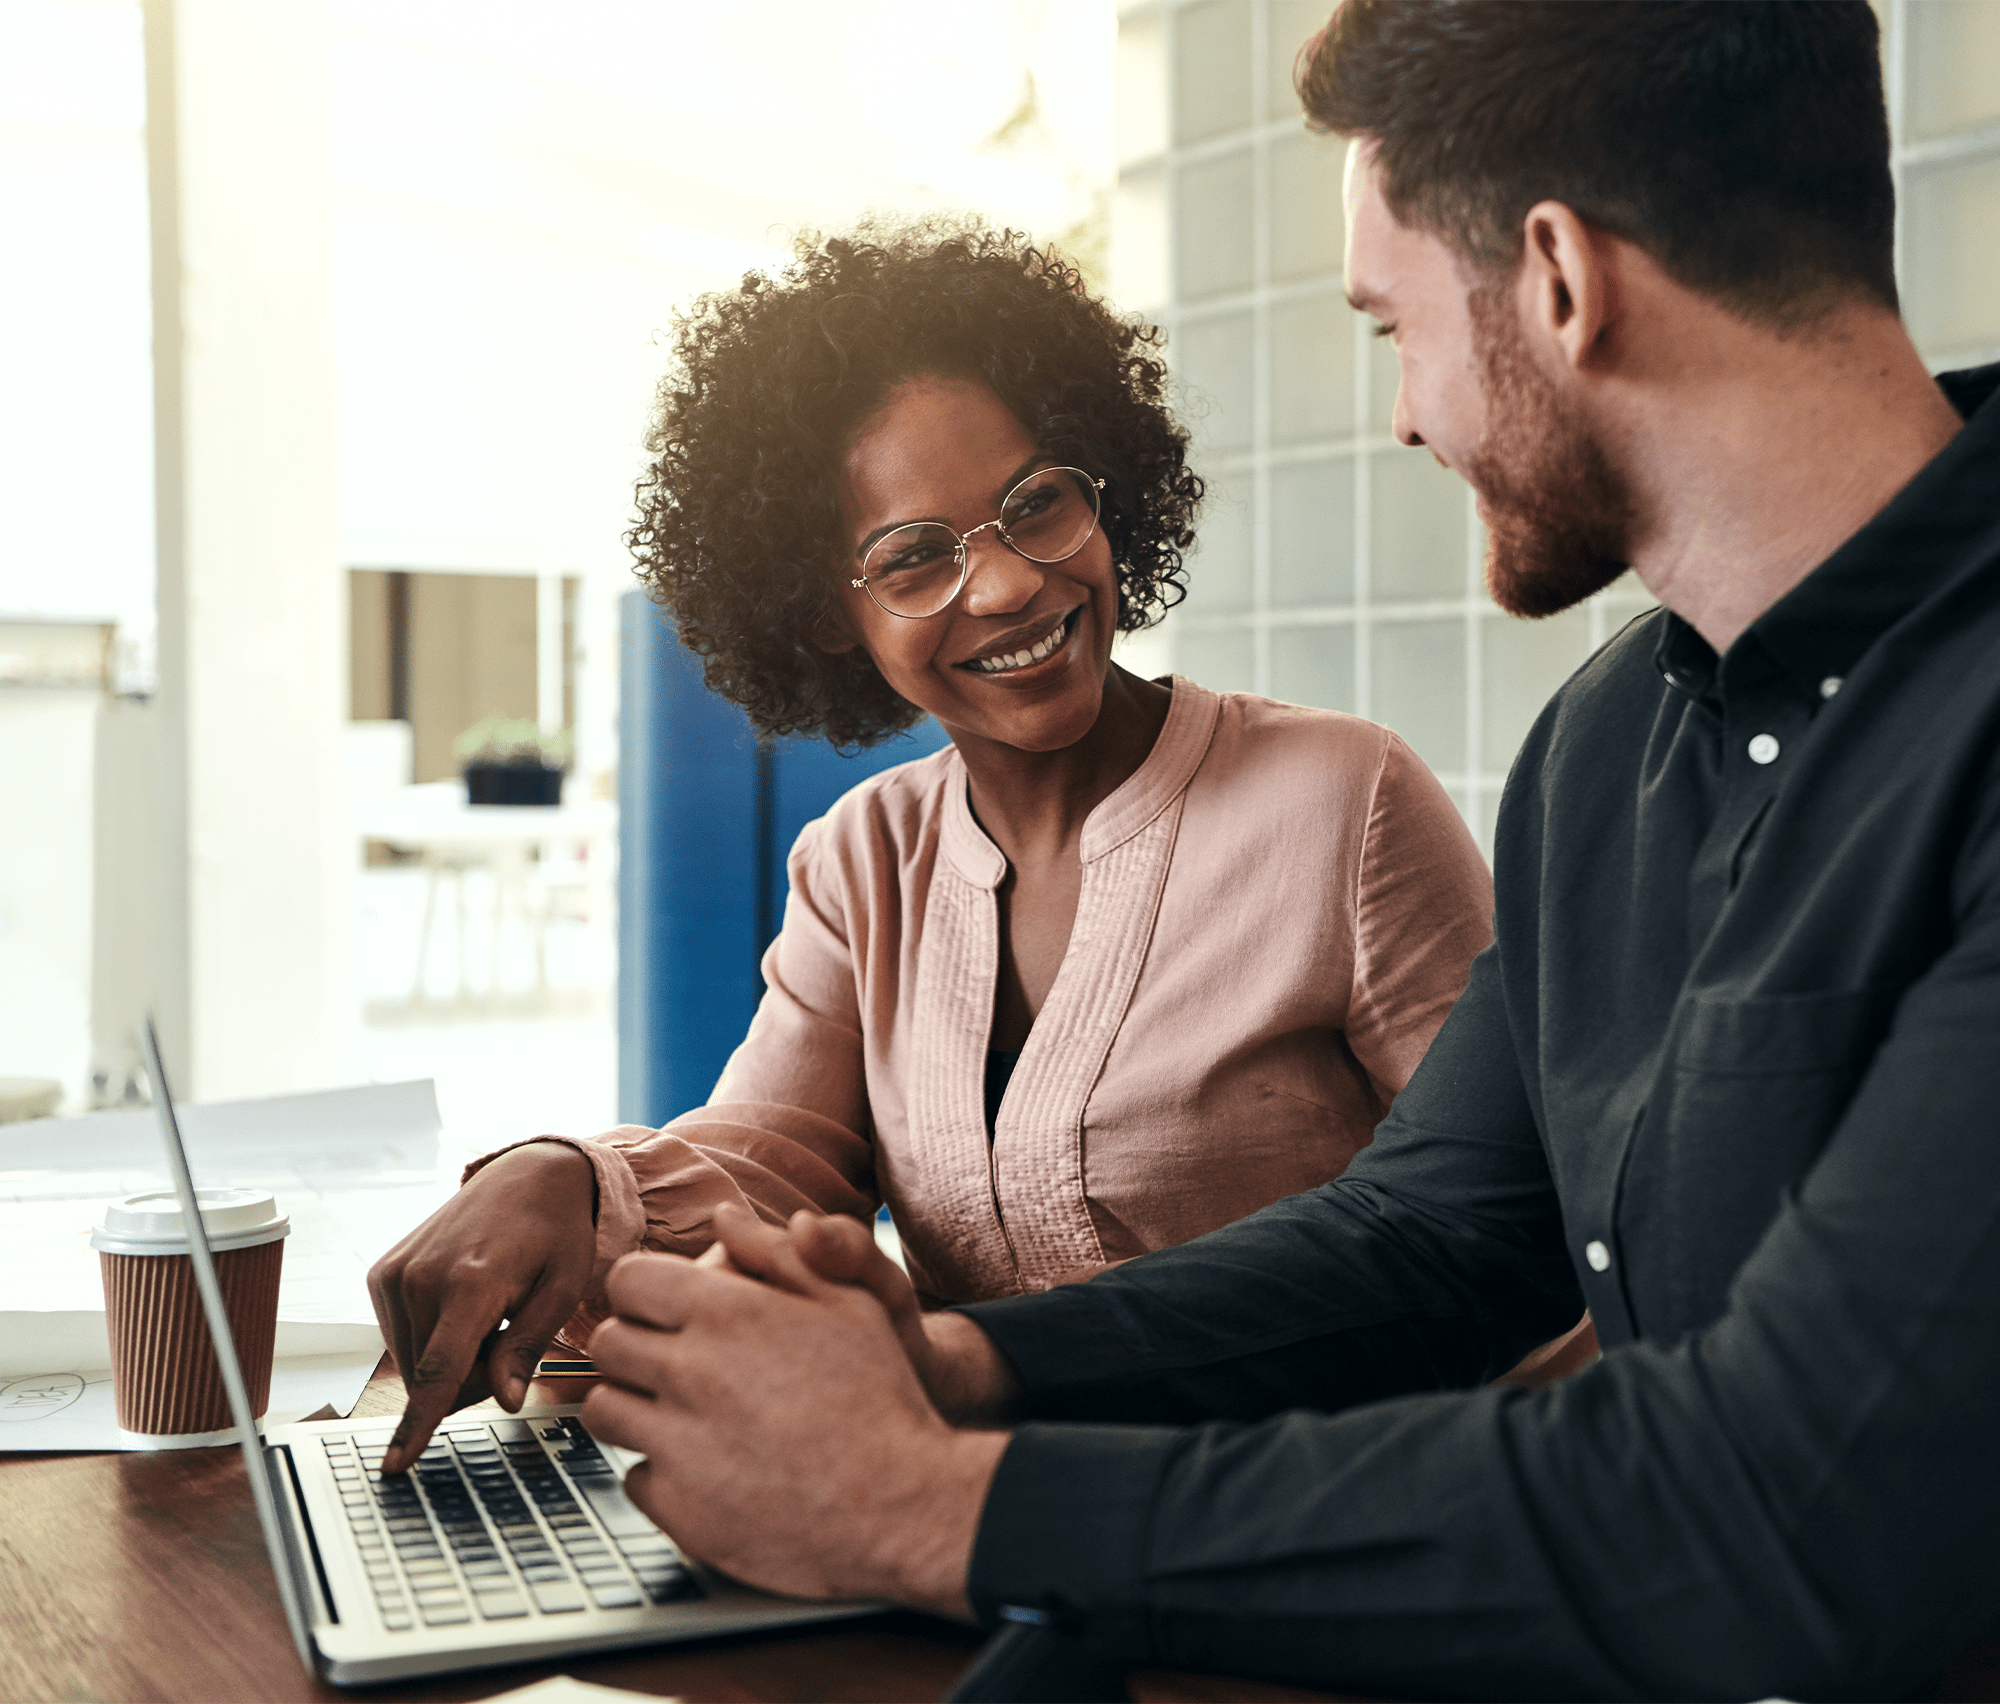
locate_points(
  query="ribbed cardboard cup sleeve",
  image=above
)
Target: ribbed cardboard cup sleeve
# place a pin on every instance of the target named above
(164, 1373)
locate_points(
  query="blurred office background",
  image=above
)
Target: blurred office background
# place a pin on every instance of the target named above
(324, 360)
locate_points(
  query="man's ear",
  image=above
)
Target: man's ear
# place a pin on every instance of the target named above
(1567, 289)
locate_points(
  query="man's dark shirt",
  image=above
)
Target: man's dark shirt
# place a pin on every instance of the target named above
(1730, 1077)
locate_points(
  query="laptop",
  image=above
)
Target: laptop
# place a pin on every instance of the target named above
(511, 1540)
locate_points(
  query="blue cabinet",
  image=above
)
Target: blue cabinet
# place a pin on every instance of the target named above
(707, 814)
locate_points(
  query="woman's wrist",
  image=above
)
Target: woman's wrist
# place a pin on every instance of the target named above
(558, 1165)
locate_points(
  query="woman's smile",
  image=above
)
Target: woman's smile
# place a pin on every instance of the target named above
(1019, 653)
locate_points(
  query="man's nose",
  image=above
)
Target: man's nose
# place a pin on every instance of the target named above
(998, 580)
(1401, 422)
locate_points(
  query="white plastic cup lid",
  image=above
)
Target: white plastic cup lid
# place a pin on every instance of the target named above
(151, 1224)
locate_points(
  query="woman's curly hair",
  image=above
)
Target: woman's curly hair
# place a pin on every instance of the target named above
(739, 522)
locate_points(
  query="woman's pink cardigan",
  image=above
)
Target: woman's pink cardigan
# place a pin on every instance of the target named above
(1277, 911)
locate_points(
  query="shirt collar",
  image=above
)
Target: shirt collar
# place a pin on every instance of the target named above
(1926, 535)
(1148, 790)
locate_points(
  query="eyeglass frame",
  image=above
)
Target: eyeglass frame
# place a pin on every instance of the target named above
(962, 553)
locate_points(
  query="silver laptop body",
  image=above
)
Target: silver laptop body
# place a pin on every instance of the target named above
(510, 1541)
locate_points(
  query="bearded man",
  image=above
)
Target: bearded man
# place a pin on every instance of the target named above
(1728, 1076)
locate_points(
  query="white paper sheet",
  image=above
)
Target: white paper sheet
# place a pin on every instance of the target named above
(75, 1411)
(567, 1689)
(354, 1168)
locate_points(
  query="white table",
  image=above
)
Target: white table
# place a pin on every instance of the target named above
(519, 844)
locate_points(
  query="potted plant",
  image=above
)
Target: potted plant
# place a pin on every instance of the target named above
(510, 761)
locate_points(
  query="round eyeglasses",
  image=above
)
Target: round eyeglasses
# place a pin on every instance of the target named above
(917, 570)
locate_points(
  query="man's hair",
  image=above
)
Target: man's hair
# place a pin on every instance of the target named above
(1745, 145)
(739, 529)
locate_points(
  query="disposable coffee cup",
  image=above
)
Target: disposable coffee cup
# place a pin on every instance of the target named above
(164, 1374)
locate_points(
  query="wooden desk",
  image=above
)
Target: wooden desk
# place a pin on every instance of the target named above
(144, 1577)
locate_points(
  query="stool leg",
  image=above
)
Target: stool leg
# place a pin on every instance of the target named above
(424, 934)
(464, 975)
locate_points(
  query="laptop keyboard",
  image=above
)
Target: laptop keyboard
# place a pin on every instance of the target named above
(499, 1522)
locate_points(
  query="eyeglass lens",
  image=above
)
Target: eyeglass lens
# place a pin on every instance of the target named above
(917, 569)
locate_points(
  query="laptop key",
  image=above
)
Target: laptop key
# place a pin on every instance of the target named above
(452, 1615)
(614, 1597)
(555, 1597)
(618, 1513)
(654, 1543)
(673, 1588)
(502, 1606)
(484, 1569)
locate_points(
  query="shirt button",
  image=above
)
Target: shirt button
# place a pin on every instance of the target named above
(1598, 1255)
(1829, 686)
(1763, 749)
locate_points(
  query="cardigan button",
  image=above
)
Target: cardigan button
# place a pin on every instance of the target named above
(1763, 749)
(1598, 1255)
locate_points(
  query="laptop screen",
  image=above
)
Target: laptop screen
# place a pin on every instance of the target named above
(256, 1456)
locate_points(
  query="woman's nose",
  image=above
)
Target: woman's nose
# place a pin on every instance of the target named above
(998, 580)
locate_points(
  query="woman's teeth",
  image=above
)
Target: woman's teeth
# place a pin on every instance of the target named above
(1021, 659)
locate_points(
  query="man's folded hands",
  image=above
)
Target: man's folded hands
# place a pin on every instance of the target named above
(777, 1388)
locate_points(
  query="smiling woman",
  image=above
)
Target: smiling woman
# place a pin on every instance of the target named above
(741, 511)
(1126, 961)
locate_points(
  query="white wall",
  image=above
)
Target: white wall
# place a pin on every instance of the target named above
(46, 746)
(251, 981)
(76, 429)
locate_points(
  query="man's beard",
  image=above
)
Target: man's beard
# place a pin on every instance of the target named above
(1557, 514)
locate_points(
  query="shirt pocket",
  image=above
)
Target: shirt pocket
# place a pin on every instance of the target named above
(1756, 1088)
(1783, 1034)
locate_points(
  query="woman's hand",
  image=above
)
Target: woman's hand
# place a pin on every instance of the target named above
(516, 1244)
(967, 1379)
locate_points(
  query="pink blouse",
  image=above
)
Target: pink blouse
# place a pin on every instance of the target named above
(1277, 911)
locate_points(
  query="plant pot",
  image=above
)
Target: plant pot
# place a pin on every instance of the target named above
(512, 784)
